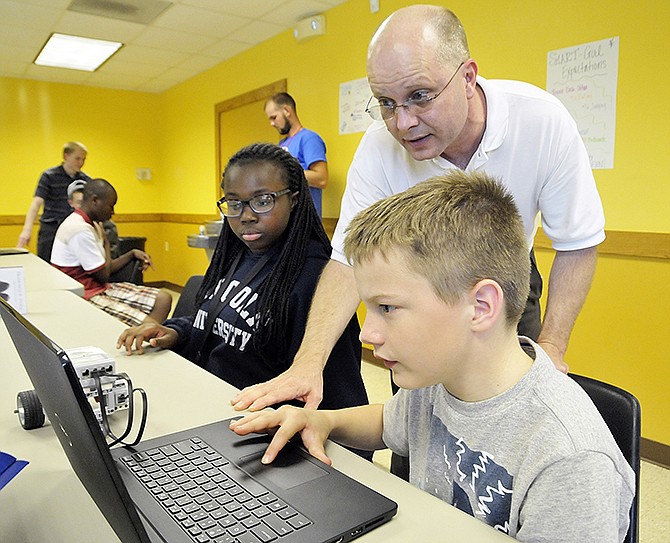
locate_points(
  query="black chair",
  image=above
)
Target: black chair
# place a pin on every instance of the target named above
(621, 412)
(131, 273)
(186, 303)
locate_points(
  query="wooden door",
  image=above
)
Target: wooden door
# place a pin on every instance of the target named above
(241, 121)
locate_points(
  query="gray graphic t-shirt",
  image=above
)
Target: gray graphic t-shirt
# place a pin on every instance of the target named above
(536, 462)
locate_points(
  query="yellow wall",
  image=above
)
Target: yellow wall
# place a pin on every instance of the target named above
(118, 127)
(173, 133)
(619, 336)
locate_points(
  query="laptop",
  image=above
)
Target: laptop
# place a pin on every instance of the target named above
(205, 484)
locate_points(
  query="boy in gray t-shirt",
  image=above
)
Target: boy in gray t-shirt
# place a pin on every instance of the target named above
(489, 424)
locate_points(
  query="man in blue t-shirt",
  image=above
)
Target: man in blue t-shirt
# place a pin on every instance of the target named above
(305, 145)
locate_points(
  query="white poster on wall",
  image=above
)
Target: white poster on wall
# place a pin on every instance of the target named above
(584, 78)
(354, 96)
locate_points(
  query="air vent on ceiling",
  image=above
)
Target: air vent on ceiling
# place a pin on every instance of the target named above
(136, 11)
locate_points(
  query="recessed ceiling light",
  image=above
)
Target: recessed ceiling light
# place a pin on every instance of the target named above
(75, 52)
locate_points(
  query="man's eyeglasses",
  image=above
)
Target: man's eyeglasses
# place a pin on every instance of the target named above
(263, 203)
(385, 109)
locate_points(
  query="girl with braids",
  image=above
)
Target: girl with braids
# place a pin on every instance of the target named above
(256, 293)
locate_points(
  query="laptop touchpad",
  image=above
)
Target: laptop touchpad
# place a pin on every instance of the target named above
(289, 469)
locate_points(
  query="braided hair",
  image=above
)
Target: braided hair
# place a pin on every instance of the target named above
(304, 225)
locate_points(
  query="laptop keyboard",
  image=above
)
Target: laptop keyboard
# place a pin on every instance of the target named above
(198, 488)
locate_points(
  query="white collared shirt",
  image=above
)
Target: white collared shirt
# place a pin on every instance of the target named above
(531, 143)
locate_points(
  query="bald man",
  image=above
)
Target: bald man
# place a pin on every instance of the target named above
(434, 113)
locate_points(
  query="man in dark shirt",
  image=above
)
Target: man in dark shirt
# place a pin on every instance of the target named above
(51, 192)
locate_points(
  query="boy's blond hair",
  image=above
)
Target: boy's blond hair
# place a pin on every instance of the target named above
(454, 230)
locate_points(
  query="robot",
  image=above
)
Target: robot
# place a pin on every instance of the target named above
(89, 363)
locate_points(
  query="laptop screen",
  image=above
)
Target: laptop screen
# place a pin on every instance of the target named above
(296, 498)
(75, 424)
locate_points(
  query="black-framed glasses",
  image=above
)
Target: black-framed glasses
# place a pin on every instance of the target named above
(262, 203)
(419, 101)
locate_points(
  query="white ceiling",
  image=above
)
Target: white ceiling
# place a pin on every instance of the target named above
(189, 37)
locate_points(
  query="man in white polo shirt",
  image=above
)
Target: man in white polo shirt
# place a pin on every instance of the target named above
(436, 113)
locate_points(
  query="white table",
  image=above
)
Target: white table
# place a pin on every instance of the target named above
(41, 276)
(46, 502)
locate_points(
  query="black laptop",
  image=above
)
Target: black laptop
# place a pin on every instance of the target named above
(205, 484)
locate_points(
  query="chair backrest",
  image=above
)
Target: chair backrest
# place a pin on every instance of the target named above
(130, 273)
(621, 412)
(186, 303)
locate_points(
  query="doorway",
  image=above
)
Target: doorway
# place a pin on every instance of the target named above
(240, 121)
